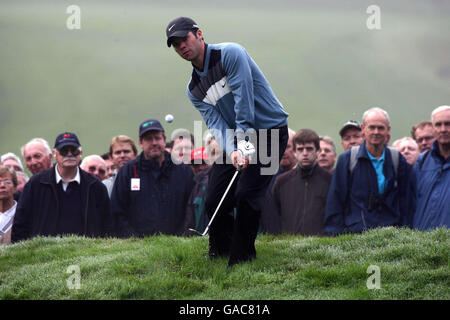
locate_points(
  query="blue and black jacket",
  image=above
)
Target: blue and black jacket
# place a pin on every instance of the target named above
(430, 181)
(354, 203)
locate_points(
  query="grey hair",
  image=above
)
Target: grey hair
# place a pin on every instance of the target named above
(330, 141)
(11, 155)
(379, 110)
(88, 158)
(437, 110)
(37, 140)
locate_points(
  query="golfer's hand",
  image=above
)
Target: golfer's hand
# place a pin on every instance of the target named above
(239, 159)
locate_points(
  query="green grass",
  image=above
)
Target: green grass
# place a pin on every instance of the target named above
(324, 65)
(413, 265)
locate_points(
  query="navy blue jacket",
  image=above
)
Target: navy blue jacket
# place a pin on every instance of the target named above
(431, 185)
(37, 211)
(159, 205)
(347, 208)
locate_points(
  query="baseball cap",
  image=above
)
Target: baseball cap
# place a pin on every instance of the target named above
(150, 125)
(349, 124)
(66, 139)
(199, 153)
(179, 27)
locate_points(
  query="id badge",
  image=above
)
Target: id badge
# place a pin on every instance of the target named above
(135, 184)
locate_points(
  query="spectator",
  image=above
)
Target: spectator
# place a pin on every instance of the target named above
(424, 135)
(368, 189)
(408, 148)
(8, 184)
(22, 179)
(300, 195)
(212, 148)
(151, 192)
(327, 154)
(122, 149)
(95, 165)
(183, 144)
(351, 134)
(12, 161)
(196, 217)
(431, 177)
(37, 155)
(110, 167)
(64, 199)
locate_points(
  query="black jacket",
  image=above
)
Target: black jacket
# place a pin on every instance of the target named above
(37, 211)
(300, 197)
(159, 205)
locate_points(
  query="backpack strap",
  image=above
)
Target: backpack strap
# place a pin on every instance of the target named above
(395, 155)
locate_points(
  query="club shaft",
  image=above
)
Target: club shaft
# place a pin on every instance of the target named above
(220, 203)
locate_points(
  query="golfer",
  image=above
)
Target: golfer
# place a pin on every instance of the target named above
(236, 102)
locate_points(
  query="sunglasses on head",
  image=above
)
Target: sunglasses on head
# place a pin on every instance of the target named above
(73, 150)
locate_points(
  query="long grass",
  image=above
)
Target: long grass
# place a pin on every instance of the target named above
(412, 265)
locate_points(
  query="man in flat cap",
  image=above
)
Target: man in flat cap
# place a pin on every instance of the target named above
(63, 200)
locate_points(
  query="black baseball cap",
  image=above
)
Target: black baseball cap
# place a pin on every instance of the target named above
(67, 139)
(150, 125)
(179, 27)
(349, 124)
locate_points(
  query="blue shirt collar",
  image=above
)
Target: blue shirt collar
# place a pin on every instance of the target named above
(376, 159)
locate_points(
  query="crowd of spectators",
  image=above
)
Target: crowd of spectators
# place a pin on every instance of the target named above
(162, 189)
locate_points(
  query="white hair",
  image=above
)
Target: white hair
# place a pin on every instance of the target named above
(379, 110)
(41, 141)
(11, 155)
(397, 142)
(89, 158)
(437, 110)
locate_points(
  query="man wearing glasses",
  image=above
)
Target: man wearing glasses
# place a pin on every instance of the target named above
(423, 133)
(63, 200)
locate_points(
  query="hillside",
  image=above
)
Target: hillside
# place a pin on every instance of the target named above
(411, 264)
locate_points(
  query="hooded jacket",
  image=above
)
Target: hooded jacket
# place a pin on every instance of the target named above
(354, 203)
(158, 205)
(37, 212)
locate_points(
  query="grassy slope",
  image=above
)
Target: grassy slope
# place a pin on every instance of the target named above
(323, 63)
(414, 265)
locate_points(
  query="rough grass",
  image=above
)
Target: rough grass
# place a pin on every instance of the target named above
(413, 265)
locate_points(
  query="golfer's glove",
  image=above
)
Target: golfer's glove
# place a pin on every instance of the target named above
(246, 148)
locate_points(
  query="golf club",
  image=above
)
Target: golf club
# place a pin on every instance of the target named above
(218, 207)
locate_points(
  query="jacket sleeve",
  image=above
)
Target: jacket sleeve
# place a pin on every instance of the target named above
(121, 204)
(334, 219)
(21, 229)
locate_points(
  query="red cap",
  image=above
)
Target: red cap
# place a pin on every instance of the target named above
(199, 153)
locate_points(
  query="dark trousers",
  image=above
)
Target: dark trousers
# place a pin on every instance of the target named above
(236, 236)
